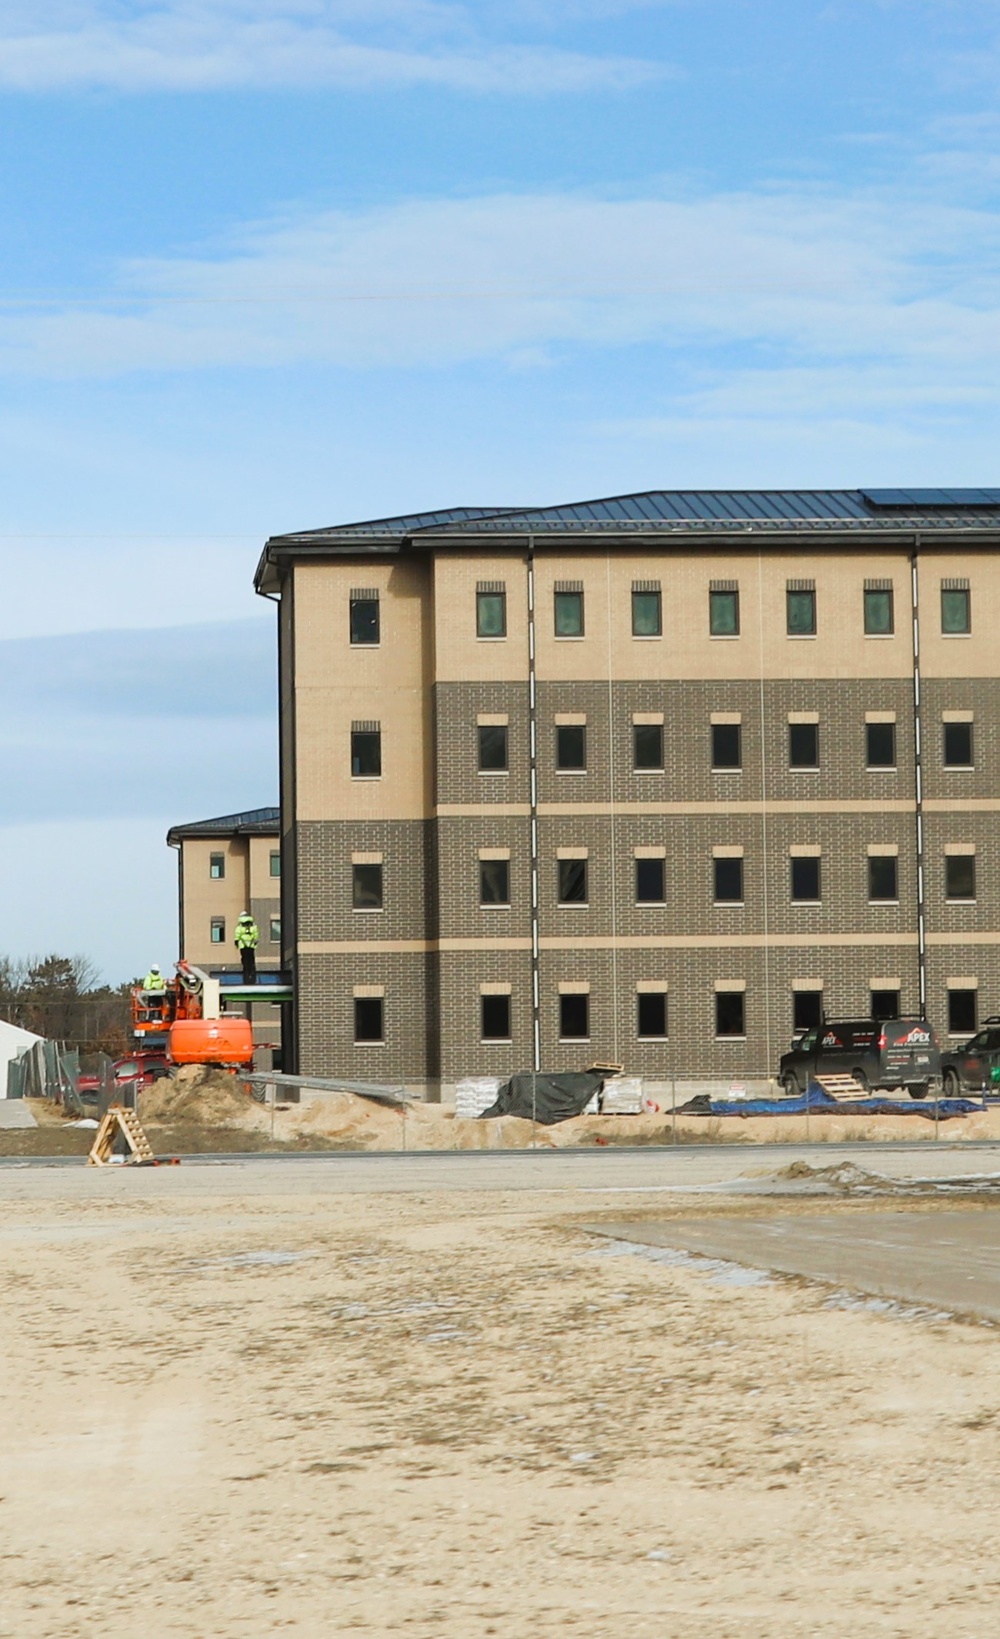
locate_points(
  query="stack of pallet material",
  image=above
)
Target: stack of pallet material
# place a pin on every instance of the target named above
(622, 1095)
(475, 1094)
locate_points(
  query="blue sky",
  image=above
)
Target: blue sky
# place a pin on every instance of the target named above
(268, 266)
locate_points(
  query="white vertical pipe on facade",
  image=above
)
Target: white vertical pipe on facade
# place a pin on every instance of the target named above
(614, 835)
(918, 779)
(765, 899)
(536, 1010)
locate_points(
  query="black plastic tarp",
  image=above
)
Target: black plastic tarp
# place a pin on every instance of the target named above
(546, 1098)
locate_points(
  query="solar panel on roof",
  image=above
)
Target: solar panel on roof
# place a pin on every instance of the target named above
(920, 500)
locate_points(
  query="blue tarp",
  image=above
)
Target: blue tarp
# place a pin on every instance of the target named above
(815, 1100)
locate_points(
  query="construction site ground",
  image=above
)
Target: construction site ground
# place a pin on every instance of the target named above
(458, 1396)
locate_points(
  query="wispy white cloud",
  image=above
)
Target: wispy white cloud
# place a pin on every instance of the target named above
(200, 45)
(820, 279)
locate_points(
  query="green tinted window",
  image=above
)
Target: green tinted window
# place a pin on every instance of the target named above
(569, 614)
(491, 614)
(724, 614)
(801, 613)
(647, 614)
(878, 613)
(956, 613)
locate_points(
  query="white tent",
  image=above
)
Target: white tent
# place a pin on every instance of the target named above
(13, 1041)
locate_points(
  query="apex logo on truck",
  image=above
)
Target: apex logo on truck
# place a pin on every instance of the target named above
(915, 1038)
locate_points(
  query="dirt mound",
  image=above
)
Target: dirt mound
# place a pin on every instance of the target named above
(842, 1177)
(196, 1093)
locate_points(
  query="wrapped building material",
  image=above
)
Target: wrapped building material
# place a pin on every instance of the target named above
(622, 1095)
(475, 1094)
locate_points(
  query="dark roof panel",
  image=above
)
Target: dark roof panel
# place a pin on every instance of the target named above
(949, 500)
(252, 821)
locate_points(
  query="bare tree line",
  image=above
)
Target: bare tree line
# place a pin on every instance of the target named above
(59, 997)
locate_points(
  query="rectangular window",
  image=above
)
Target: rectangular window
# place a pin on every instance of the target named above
(276, 930)
(647, 613)
(494, 1018)
(728, 881)
(962, 1010)
(803, 745)
(724, 613)
(493, 748)
(651, 1015)
(957, 745)
(956, 609)
(366, 753)
(880, 745)
(275, 862)
(805, 879)
(730, 1013)
(217, 866)
(366, 887)
(574, 1016)
(879, 614)
(494, 881)
(569, 613)
(807, 1010)
(491, 612)
(571, 746)
(364, 618)
(572, 881)
(800, 611)
(960, 876)
(883, 878)
(884, 1004)
(647, 746)
(727, 748)
(649, 881)
(218, 930)
(369, 1020)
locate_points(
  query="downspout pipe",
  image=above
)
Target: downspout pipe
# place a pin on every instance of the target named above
(536, 1009)
(918, 780)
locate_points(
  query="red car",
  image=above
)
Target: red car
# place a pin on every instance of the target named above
(140, 1070)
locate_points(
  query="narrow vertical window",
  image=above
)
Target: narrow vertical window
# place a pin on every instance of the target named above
(807, 1010)
(884, 1004)
(366, 751)
(883, 878)
(962, 1012)
(569, 610)
(960, 876)
(957, 745)
(803, 746)
(216, 866)
(730, 1013)
(800, 609)
(275, 862)
(276, 930)
(572, 881)
(491, 609)
(217, 932)
(366, 887)
(879, 612)
(880, 745)
(727, 874)
(727, 745)
(574, 1016)
(650, 881)
(494, 881)
(647, 747)
(493, 748)
(647, 609)
(805, 879)
(494, 1018)
(724, 609)
(956, 608)
(364, 617)
(651, 1015)
(571, 747)
(369, 1019)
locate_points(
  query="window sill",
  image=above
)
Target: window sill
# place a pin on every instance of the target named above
(483, 637)
(729, 904)
(496, 1041)
(650, 904)
(571, 770)
(807, 902)
(572, 904)
(571, 1041)
(958, 768)
(493, 773)
(724, 637)
(802, 637)
(641, 771)
(715, 770)
(568, 637)
(890, 903)
(369, 1044)
(730, 1038)
(881, 768)
(879, 637)
(367, 910)
(960, 901)
(653, 1038)
(956, 634)
(365, 779)
(494, 905)
(803, 768)
(364, 645)
(647, 637)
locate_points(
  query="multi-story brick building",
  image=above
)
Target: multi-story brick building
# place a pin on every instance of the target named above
(225, 866)
(653, 779)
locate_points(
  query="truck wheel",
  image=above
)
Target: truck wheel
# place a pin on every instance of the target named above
(950, 1084)
(918, 1089)
(862, 1081)
(790, 1087)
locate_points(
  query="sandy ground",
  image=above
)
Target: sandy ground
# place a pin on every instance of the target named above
(450, 1414)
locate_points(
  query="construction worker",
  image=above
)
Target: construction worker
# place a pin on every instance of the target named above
(154, 984)
(246, 939)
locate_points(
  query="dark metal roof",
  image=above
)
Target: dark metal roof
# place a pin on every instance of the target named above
(662, 512)
(252, 822)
